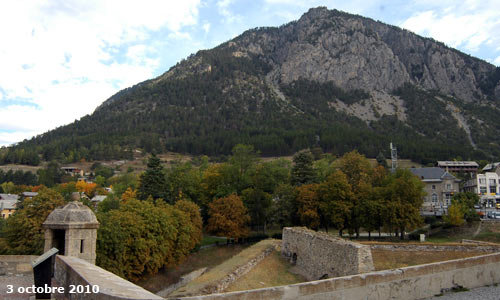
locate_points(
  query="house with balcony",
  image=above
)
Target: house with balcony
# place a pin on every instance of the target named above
(486, 186)
(439, 187)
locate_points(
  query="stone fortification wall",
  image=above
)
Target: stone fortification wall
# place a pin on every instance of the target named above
(319, 255)
(16, 264)
(416, 282)
(492, 248)
(74, 271)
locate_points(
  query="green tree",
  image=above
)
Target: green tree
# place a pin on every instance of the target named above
(258, 204)
(193, 212)
(466, 201)
(242, 164)
(335, 196)
(50, 175)
(153, 181)
(381, 161)
(358, 173)
(302, 170)
(23, 232)
(284, 208)
(404, 198)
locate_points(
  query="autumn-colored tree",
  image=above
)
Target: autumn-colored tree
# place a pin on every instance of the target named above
(141, 237)
(455, 216)
(36, 188)
(129, 194)
(308, 205)
(23, 230)
(193, 212)
(228, 217)
(335, 196)
(88, 188)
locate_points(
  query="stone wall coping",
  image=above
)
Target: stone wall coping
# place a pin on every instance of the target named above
(322, 236)
(110, 285)
(18, 258)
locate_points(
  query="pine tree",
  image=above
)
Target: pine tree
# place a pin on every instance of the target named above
(302, 171)
(153, 181)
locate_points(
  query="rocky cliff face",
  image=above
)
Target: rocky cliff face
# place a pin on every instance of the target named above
(358, 53)
(331, 79)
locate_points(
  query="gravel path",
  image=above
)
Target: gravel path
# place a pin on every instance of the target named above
(15, 281)
(482, 293)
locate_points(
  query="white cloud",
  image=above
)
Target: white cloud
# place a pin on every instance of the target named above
(224, 10)
(497, 61)
(469, 26)
(66, 57)
(206, 27)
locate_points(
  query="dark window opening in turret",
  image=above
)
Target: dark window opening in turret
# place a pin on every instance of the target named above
(294, 259)
(81, 246)
(59, 240)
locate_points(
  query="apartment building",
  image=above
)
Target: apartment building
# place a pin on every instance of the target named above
(486, 186)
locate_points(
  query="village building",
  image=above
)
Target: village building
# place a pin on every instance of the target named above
(459, 166)
(440, 186)
(486, 186)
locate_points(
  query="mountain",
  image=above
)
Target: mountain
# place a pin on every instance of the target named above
(330, 79)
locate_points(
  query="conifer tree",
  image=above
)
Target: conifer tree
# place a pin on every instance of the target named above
(153, 180)
(302, 171)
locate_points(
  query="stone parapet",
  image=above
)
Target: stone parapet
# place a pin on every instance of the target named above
(77, 272)
(410, 283)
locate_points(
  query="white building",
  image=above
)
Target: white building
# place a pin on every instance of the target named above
(486, 186)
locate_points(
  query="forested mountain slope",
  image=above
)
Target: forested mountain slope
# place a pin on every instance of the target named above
(331, 79)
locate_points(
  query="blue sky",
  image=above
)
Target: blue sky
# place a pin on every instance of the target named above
(60, 59)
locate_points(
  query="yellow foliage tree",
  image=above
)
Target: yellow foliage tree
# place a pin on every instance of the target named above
(88, 188)
(228, 217)
(129, 194)
(308, 205)
(455, 216)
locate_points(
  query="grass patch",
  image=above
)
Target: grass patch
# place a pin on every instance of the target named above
(459, 289)
(223, 269)
(208, 257)
(209, 240)
(386, 259)
(273, 270)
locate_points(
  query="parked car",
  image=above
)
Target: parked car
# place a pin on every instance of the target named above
(496, 215)
(489, 214)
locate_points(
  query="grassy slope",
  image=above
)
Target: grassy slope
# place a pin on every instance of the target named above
(274, 270)
(222, 270)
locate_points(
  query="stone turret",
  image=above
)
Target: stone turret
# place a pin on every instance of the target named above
(73, 230)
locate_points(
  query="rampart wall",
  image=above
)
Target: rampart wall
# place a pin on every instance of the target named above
(416, 282)
(16, 264)
(491, 248)
(318, 255)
